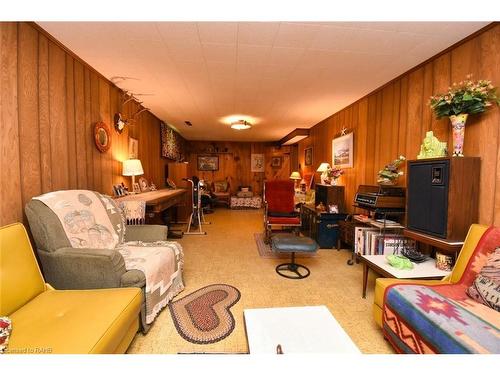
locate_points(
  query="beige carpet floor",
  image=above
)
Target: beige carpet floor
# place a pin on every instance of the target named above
(228, 255)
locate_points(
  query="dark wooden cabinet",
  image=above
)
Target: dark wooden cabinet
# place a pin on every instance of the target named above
(442, 196)
(330, 194)
(323, 227)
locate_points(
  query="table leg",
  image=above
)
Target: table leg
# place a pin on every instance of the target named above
(365, 278)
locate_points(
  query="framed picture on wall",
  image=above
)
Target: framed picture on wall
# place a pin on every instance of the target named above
(308, 156)
(276, 161)
(133, 148)
(342, 151)
(208, 163)
(257, 163)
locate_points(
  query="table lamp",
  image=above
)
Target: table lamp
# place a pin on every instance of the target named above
(132, 167)
(324, 168)
(296, 177)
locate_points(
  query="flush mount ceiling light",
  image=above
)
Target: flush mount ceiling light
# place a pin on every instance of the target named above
(240, 125)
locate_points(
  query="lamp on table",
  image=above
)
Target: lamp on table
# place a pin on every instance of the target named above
(132, 167)
(324, 168)
(296, 177)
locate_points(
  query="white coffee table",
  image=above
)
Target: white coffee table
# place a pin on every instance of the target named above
(308, 329)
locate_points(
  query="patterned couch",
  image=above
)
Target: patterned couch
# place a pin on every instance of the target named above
(440, 316)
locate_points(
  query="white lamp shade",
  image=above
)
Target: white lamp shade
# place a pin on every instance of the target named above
(295, 176)
(323, 167)
(132, 167)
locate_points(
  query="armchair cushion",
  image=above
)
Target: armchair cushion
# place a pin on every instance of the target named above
(221, 186)
(75, 321)
(146, 233)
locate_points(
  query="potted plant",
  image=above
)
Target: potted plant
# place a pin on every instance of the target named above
(465, 98)
(390, 174)
(334, 173)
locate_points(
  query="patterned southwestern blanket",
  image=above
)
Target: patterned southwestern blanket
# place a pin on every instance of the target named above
(86, 219)
(443, 318)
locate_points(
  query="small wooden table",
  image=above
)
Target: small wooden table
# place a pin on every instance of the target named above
(425, 271)
(157, 201)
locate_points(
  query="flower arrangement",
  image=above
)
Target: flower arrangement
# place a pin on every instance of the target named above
(335, 172)
(466, 97)
(391, 172)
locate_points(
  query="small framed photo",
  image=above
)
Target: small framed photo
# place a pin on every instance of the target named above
(208, 163)
(118, 190)
(143, 183)
(308, 156)
(137, 188)
(276, 161)
(152, 187)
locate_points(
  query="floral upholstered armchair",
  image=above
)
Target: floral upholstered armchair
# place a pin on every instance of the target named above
(221, 190)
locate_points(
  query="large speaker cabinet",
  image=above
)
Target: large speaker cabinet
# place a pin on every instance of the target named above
(442, 196)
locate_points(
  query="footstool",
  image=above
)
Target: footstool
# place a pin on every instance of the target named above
(290, 243)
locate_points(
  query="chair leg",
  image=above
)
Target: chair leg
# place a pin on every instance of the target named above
(292, 270)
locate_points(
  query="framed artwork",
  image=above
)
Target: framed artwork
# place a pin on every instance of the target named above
(342, 151)
(133, 148)
(257, 163)
(171, 143)
(308, 156)
(208, 163)
(276, 161)
(143, 183)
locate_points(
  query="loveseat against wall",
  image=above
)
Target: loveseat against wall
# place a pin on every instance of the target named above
(434, 316)
(48, 321)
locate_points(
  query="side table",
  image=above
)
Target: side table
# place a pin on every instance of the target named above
(425, 271)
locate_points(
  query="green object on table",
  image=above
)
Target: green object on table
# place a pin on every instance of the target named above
(400, 262)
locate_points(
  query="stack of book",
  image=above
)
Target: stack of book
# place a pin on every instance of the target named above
(369, 241)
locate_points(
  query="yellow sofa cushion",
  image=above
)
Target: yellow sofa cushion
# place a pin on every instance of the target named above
(76, 321)
(18, 267)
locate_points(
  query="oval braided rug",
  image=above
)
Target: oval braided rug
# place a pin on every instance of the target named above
(203, 317)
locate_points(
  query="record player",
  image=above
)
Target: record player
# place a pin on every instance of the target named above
(380, 197)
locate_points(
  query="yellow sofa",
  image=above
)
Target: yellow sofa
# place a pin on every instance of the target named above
(475, 233)
(45, 320)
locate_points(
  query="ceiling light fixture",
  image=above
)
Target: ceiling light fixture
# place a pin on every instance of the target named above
(293, 137)
(240, 125)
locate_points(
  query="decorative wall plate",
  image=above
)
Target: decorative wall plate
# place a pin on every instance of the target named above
(102, 136)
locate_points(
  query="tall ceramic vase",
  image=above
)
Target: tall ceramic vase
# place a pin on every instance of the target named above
(458, 125)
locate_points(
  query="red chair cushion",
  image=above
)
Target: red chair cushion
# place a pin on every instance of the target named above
(284, 220)
(280, 196)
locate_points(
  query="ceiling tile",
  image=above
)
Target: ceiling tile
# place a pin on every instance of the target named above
(257, 33)
(218, 32)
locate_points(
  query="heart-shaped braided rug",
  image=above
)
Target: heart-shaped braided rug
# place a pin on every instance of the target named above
(203, 317)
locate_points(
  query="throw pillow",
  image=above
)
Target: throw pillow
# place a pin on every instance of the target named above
(5, 330)
(220, 187)
(486, 287)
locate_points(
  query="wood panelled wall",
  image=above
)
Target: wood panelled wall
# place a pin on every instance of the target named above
(235, 163)
(50, 102)
(393, 121)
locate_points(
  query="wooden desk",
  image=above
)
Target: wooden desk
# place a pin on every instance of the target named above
(157, 201)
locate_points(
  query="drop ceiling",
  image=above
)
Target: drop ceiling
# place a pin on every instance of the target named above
(277, 75)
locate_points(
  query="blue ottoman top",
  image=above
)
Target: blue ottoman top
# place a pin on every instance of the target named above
(285, 242)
